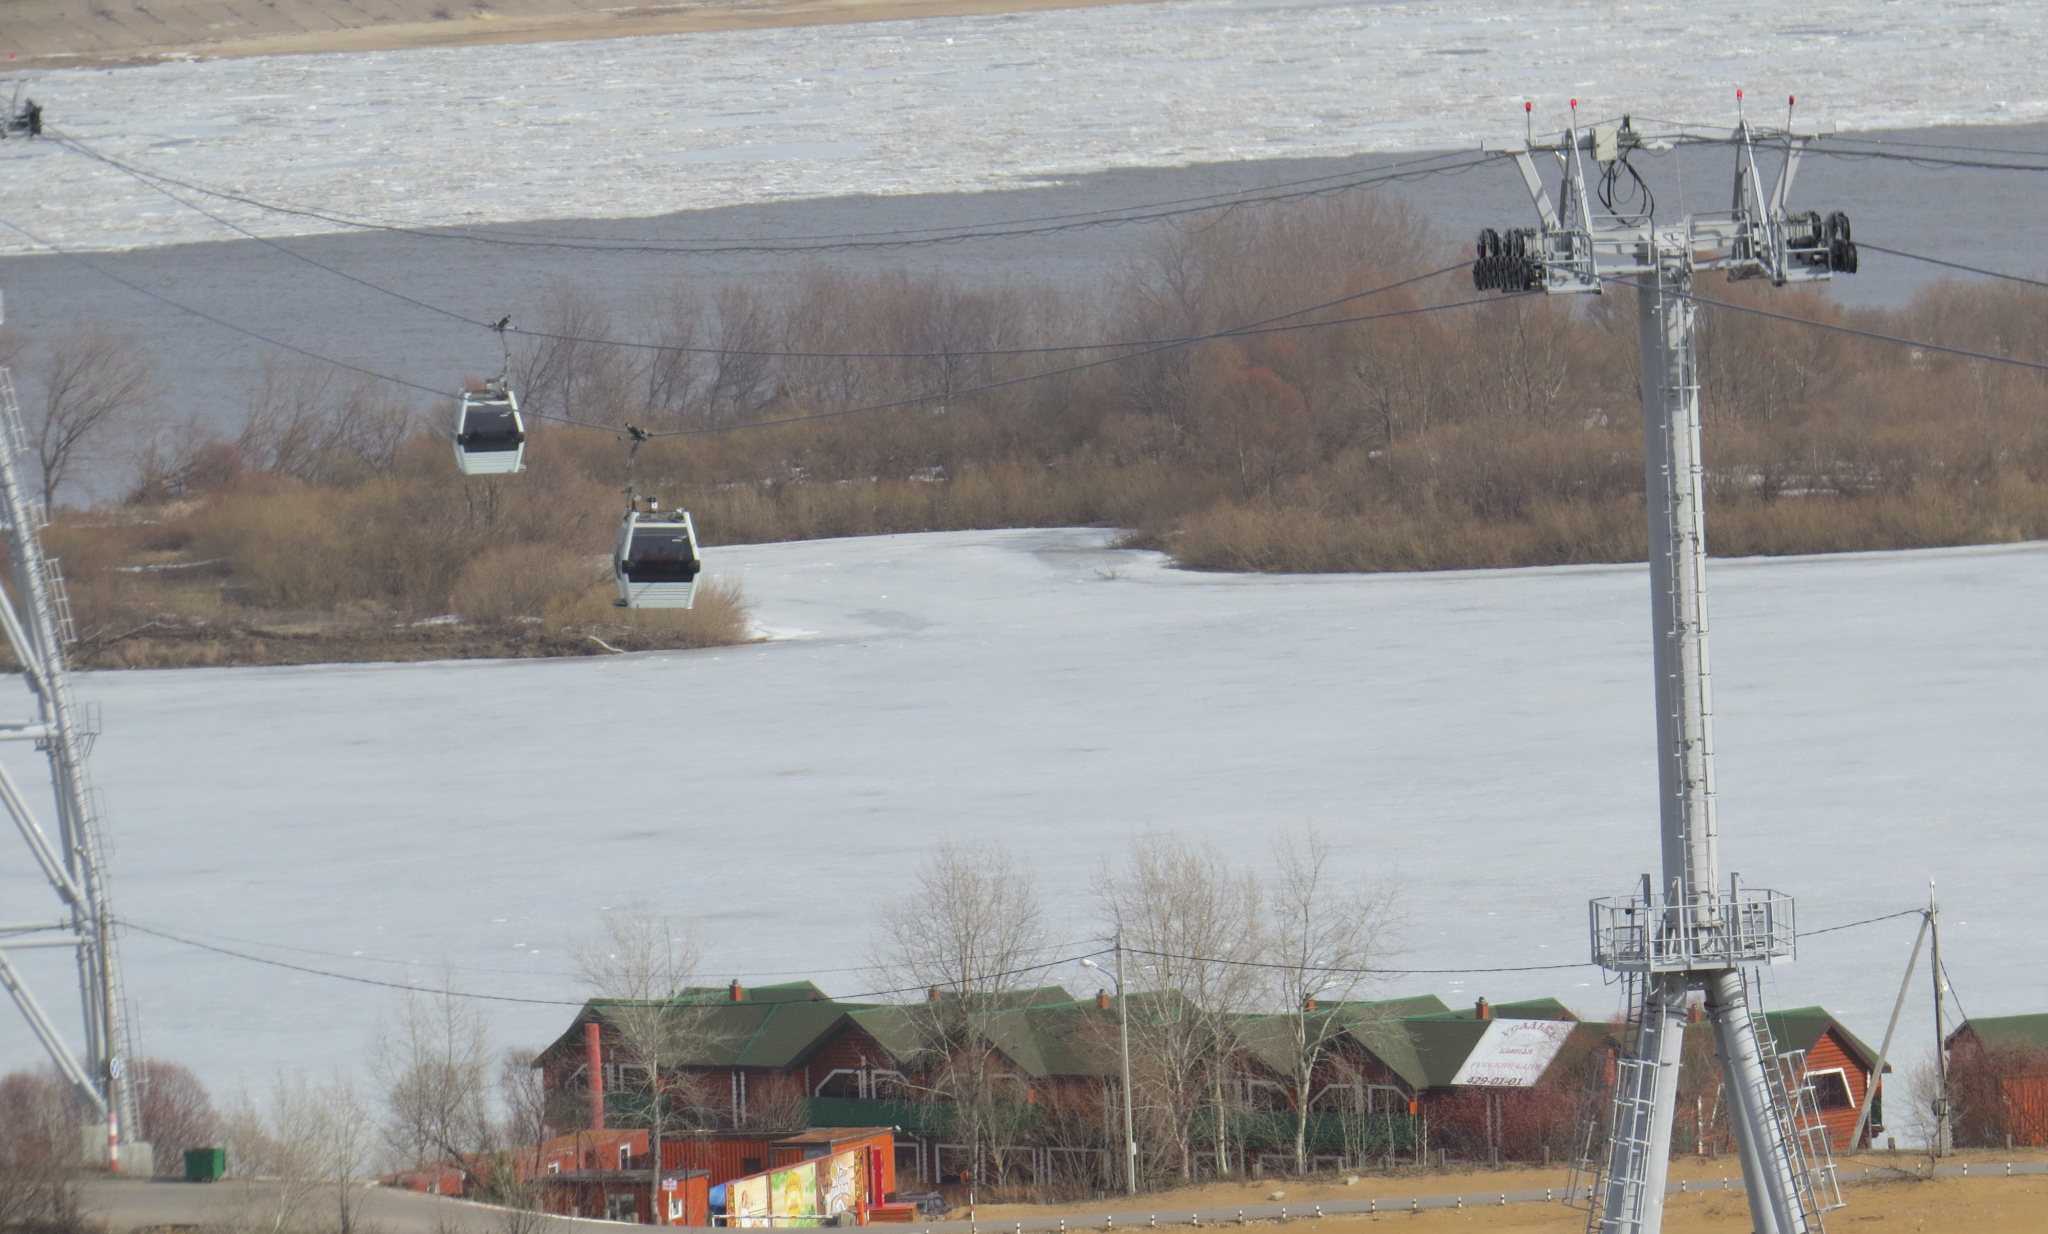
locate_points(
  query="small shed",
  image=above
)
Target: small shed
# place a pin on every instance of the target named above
(612, 1195)
(1998, 1080)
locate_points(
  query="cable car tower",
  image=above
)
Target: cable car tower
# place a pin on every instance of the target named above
(36, 620)
(1686, 929)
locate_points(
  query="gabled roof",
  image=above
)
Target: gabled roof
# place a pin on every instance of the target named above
(1801, 1028)
(1044, 1032)
(2008, 1030)
(776, 1034)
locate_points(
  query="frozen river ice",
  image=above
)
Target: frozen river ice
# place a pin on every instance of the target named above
(1481, 740)
(649, 126)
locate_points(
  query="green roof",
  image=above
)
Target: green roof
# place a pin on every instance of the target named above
(2008, 1030)
(1801, 1028)
(1527, 1009)
(770, 1033)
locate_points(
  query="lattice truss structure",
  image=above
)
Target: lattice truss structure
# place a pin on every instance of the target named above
(36, 621)
(1685, 931)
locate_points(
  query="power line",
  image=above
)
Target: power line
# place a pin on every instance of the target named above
(515, 972)
(1411, 972)
(547, 1002)
(1866, 921)
(321, 972)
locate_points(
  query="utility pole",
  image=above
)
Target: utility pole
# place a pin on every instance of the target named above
(1944, 1115)
(1684, 930)
(35, 619)
(1123, 1033)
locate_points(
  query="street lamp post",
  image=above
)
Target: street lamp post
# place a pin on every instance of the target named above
(1123, 1032)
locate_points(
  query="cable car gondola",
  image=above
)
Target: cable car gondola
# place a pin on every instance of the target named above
(490, 438)
(657, 562)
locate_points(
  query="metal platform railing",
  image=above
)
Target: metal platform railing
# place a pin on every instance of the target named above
(1652, 933)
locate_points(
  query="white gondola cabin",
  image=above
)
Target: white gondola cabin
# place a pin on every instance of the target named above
(490, 437)
(657, 562)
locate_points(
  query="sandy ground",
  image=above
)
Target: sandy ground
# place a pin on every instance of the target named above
(1983, 1205)
(68, 32)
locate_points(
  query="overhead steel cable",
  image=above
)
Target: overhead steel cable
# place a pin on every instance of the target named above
(208, 317)
(1875, 336)
(729, 351)
(1924, 160)
(1953, 265)
(1258, 327)
(1220, 201)
(827, 245)
(963, 353)
(936, 396)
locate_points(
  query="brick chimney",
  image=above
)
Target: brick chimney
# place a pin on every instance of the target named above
(932, 995)
(1308, 1004)
(1482, 1010)
(1102, 1000)
(738, 991)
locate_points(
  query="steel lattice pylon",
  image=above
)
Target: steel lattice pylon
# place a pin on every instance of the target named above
(1685, 931)
(35, 618)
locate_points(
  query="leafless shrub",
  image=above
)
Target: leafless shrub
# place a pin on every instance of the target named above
(39, 1155)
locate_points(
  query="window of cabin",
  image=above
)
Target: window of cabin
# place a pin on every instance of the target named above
(889, 1086)
(1830, 1089)
(750, 1165)
(1385, 1099)
(625, 1157)
(842, 1083)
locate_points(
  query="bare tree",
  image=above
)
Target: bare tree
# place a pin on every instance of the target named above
(307, 1139)
(1322, 941)
(435, 1066)
(39, 1153)
(643, 965)
(969, 933)
(94, 383)
(1191, 921)
(306, 421)
(176, 1111)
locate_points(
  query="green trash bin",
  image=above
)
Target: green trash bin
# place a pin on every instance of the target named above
(205, 1165)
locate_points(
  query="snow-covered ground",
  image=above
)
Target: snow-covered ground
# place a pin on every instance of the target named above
(1481, 740)
(647, 126)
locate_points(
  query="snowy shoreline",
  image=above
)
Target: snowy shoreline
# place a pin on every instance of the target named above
(1481, 739)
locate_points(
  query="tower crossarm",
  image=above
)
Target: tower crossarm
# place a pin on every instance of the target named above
(1581, 241)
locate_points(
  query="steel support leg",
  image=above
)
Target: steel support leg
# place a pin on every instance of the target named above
(1639, 1147)
(1769, 1167)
